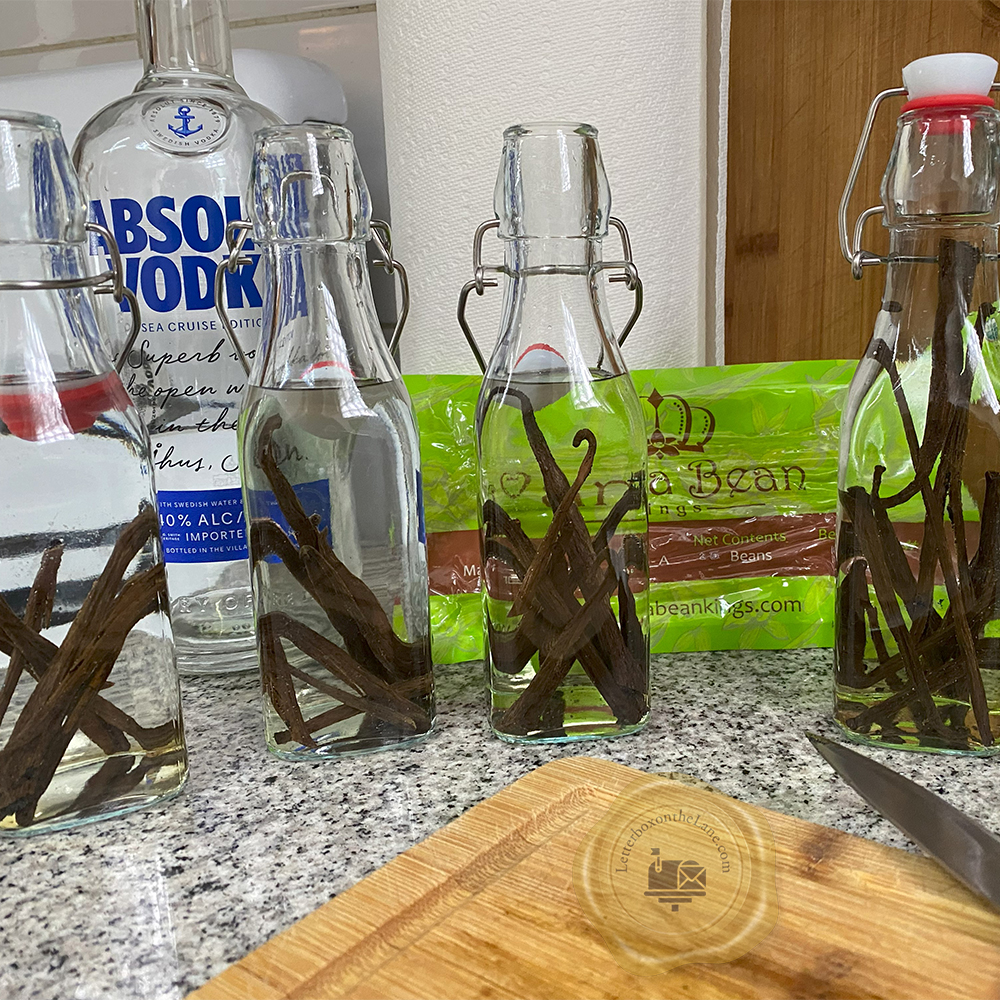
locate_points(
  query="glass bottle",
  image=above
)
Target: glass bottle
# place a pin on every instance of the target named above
(918, 539)
(331, 470)
(165, 168)
(90, 718)
(562, 460)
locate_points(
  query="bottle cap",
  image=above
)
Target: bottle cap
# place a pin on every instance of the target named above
(959, 77)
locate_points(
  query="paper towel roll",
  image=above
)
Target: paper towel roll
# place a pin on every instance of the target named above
(455, 73)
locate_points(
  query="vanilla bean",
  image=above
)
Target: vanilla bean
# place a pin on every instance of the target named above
(942, 644)
(889, 707)
(375, 662)
(555, 663)
(858, 503)
(633, 554)
(633, 498)
(558, 611)
(267, 538)
(37, 615)
(368, 706)
(328, 579)
(38, 653)
(939, 655)
(984, 565)
(546, 550)
(64, 692)
(412, 686)
(277, 682)
(119, 775)
(329, 718)
(332, 584)
(510, 651)
(547, 587)
(558, 608)
(329, 655)
(881, 651)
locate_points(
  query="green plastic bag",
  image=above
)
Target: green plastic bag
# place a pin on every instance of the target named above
(742, 505)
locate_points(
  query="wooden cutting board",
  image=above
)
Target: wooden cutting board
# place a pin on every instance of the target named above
(486, 908)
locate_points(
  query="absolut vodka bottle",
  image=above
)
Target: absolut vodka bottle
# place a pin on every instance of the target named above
(165, 169)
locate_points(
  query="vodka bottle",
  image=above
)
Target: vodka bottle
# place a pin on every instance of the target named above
(164, 169)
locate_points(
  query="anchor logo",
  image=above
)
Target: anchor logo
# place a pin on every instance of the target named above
(184, 116)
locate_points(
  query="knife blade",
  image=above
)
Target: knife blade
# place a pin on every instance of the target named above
(956, 841)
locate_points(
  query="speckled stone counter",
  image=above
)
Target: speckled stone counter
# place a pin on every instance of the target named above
(155, 903)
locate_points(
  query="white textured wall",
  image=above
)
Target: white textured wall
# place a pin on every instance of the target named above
(455, 73)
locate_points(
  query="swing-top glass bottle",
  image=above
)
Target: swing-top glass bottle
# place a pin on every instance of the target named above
(918, 533)
(90, 722)
(562, 457)
(331, 469)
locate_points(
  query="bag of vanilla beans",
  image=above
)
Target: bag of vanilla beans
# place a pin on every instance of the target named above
(742, 491)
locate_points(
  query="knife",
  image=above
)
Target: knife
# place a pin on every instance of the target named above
(956, 841)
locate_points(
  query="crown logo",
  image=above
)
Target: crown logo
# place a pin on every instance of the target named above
(678, 425)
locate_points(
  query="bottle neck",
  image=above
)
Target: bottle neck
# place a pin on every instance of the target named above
(924, 240)
(936, 267)
(185, 43)
(47, 334)
(321, 328)
(556, 324)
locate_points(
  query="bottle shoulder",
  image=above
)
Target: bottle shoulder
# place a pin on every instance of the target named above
(125, 129)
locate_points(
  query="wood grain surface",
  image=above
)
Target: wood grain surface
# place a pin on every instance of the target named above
(486, 908)
(802, 74)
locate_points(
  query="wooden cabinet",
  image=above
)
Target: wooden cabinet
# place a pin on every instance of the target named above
(802, 74)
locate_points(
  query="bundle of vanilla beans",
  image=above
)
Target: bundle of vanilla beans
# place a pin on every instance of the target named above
(928, 680)
(66, 681)
(375, 674)
(563, 598)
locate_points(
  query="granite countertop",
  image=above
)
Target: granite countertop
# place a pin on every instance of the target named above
(155, 903)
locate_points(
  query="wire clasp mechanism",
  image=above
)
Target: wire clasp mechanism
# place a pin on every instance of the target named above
(237, 232)
(858, 258)
(629, 275)
(106, 283)
(236, 236)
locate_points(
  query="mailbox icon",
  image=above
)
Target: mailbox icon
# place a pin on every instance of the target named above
(675, 882)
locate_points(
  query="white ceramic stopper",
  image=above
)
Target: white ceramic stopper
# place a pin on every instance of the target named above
(950, 73)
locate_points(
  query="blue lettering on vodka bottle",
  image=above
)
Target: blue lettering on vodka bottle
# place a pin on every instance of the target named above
(192, 229)
(421, 525)
(202, 525)
(314, 498)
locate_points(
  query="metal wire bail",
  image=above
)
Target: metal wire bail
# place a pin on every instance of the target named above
(479, 282)
(382, 236)
(106, 283)
(236, 235)
(237, 232)
(853, 253)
